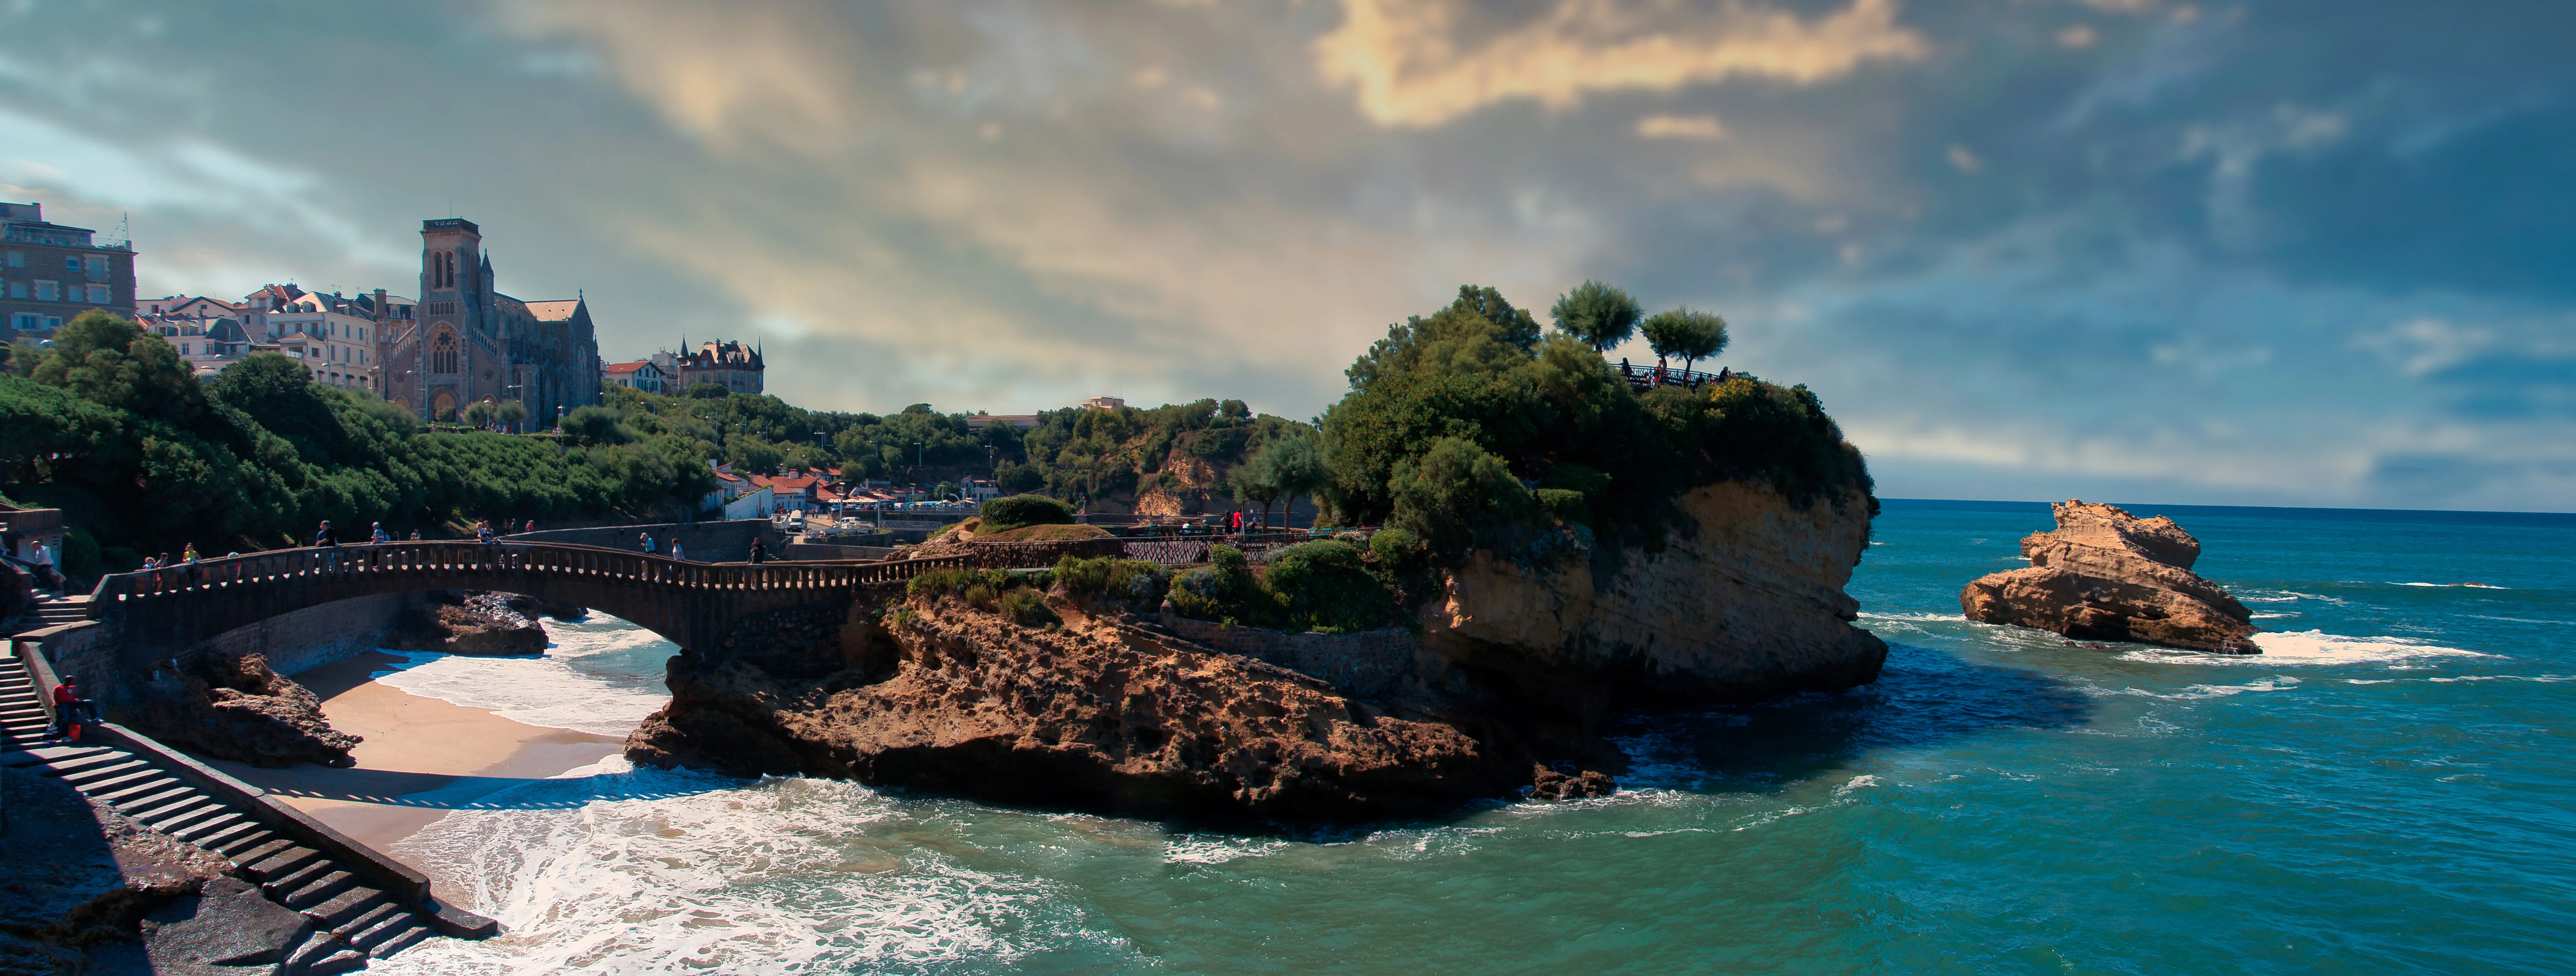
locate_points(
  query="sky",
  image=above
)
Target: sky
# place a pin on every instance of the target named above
(2287, 253)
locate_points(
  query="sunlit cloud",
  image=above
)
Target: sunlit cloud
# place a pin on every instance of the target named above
(1410, 64)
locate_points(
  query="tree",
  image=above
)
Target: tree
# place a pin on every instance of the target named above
(1294, 466)
(1686, 334)
(1253, 481)
(1601, 315)
(480, 413)
(512, 412)
(595, 426)
(706, 390)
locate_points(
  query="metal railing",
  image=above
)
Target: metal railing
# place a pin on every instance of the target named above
(1641, 377)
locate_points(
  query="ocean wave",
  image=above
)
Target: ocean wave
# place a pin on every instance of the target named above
(541, 691)
(1953, 618)
(2283, 596)
(676, 872)
(1197, 849)
(2473, 586)
(2274, 616)
(2521, 620)
(2309, 648)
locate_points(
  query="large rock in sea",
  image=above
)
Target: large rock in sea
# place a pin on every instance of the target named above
(1745, 600)
(477, 623)
(2107, 575)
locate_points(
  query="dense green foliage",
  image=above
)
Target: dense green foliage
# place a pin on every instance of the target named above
(112, 427)
(1132, 583)
(1454, 424)
(1021, 511)
(1326, 585)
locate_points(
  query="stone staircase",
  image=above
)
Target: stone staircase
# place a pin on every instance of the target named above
(48, 612)
(352, 923)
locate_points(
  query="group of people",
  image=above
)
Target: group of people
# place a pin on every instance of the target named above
(187, 556)
(645, 539)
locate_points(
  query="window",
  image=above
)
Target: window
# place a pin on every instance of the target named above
(17, 289)
(17, 259)
(98, 270)
(183, 349)
(45, 291)
(442, 353)
(53, 322)
(98, 294)
(28, 321)
(71, 263)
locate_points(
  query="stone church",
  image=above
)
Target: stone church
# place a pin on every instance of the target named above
(467, 343)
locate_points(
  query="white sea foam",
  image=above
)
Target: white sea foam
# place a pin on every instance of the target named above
(1918, 617)
(2473, 586)
(2308, 648)
(2274, 616)
(660, 872)
(1856, 783)
(545, 691)
(540, 691)
(1200, 849)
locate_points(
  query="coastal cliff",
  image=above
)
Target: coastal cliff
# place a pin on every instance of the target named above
(1090, 714)
(1744, 600)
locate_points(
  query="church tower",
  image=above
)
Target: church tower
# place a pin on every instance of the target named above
(453, 280)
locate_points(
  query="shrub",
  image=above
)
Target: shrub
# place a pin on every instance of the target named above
(1016, 511)
(1456, 492)
(1323, 585)
(1564, 504)
(1226, 591)
(1043, 533)
(1025, 607)
(1133, 582)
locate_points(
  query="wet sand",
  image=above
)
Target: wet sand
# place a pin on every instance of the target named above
(421, 759)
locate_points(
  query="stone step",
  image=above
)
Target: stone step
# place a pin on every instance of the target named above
(161, 792)
(341, 909)
(106, 787)
(171, 819)
(320, 890)
(164, 803)
(317, 947)
(135, 788)
(225, 824)
(74, 764)
(45, 754)
(233, 833)
(373, 925)
(257, 849)
(306, 867)
(345, 960)
(400, 941)
(282, 864)
(86, 778)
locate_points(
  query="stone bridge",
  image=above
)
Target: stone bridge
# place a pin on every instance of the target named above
(161, 612)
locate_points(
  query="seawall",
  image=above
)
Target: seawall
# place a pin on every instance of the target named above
(705, 542)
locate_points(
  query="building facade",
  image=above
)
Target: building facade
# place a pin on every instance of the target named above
(466, 343)
(736, 367)
(641, 374)
(50, 273)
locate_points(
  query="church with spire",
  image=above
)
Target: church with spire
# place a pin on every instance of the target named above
(467, 343)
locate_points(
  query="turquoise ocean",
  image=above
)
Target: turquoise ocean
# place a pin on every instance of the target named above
(2391, 788)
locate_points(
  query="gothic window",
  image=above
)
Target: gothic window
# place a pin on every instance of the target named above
(442, 352)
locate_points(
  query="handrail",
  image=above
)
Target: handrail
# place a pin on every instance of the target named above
(363, 559)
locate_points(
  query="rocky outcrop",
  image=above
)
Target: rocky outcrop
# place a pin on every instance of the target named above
(2107, 575)
(487, 624)
(235, 707)
(80, 876)
(1745, 600)
(1092, 715)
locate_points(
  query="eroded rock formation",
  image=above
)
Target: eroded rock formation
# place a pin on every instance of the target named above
(1744, 601)
(80, 876)
(2107, 575)
(237, 708)
(1092, 715)
(490, 624)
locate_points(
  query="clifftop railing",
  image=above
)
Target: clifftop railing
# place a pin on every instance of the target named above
(1642, 378)
(295, 565)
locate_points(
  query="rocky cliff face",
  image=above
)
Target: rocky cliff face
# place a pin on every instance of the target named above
(237, 708)
(1091, 715)
(1745, 601)
(2107, 575)
(489, 624)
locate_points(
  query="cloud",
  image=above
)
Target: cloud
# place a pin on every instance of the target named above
(1700, 127)
(1410, 66)
(721, 73)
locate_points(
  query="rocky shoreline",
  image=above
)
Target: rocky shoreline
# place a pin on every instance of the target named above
(1509, 680)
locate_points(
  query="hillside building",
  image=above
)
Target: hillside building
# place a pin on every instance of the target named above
(465, 342)
(50, 273)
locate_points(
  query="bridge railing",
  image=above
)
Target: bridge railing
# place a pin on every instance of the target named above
(422, 558)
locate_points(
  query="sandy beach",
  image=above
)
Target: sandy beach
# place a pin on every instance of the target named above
(421, 758)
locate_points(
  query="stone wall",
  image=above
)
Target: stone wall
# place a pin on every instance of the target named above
(309, 638)
(704, 542)
(1369, 665)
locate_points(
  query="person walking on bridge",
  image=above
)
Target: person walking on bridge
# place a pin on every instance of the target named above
(646, 540)
(530, 527)
(675, 550)
(483, 532)
(325, 537)
(188, 553)
(377, 534)
(759, 551)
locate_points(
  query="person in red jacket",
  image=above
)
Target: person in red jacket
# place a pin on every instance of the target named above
(70, 711)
